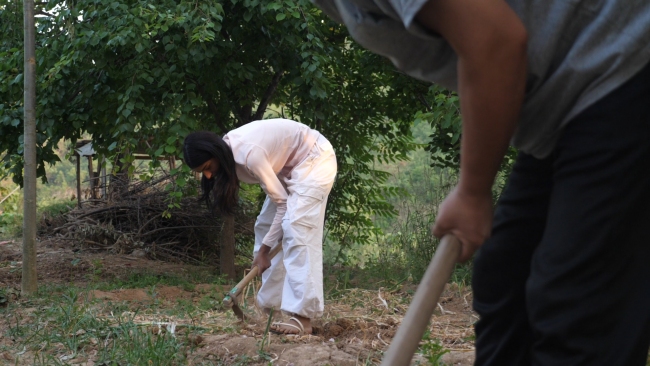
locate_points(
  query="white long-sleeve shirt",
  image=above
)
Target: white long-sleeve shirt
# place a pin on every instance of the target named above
(265, 152)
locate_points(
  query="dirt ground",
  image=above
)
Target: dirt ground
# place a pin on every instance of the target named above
(356, 327)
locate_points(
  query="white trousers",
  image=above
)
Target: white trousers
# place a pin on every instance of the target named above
(294, 282)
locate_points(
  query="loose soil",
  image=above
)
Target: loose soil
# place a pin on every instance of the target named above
(356, 328)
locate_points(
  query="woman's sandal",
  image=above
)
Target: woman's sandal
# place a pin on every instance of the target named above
(300, 328)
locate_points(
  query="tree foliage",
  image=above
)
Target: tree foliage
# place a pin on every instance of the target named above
(142, 74)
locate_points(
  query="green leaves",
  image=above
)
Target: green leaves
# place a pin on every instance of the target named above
(444, 116)
(17, 80)
(143, 74)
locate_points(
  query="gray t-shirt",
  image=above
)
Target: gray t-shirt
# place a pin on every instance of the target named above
(578, 52)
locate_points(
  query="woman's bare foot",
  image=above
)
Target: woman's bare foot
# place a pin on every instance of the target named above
(295, 325)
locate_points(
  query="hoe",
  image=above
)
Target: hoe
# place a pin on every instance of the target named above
(232, 298)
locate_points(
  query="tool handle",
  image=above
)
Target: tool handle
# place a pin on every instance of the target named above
(410, 332)
(236, 291)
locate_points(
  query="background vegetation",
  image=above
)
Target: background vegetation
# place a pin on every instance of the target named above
(139, 75)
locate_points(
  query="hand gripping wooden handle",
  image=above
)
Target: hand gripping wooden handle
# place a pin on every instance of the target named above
(237, 290)
(410, 332)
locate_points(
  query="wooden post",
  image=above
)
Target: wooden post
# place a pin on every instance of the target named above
(78, 179)
(103, 173)
(91, 177)
(28, 284)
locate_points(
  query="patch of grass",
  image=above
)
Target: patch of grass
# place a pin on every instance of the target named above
(147, 280)
(462, 275)
(62, 325)
(5, 297)
(185, 307)
(11, 225)
(242, 360)
(141, 280)
(97, 268)
(402, 256)
(11, 219)
(470, 338)
(211, 301)
(132, 345)
(55, 208)
(188, 286)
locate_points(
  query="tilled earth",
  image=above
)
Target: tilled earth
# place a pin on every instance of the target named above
(356, 328)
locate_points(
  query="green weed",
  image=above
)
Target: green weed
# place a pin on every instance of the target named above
(266, 332)
(432, 350)
(97, 268)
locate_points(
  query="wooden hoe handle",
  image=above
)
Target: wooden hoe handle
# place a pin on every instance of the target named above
(233, 295)
(410, 332)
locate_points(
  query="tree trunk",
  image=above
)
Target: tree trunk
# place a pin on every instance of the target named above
(29, 285)
(227, 250)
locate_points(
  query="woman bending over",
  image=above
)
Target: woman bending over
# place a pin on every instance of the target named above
(295, 166)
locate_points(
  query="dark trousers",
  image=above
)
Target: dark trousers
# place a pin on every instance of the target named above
(565, 277)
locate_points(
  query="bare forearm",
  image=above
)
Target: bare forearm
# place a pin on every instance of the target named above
(262, 260)
(490, 41)
(491, 92)
(264, 249)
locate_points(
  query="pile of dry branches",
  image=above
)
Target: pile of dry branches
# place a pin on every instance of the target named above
(139, 221)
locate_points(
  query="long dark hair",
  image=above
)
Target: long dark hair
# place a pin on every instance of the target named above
(221, 191)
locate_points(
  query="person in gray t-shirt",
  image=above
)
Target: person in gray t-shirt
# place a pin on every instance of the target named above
(562, 276)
